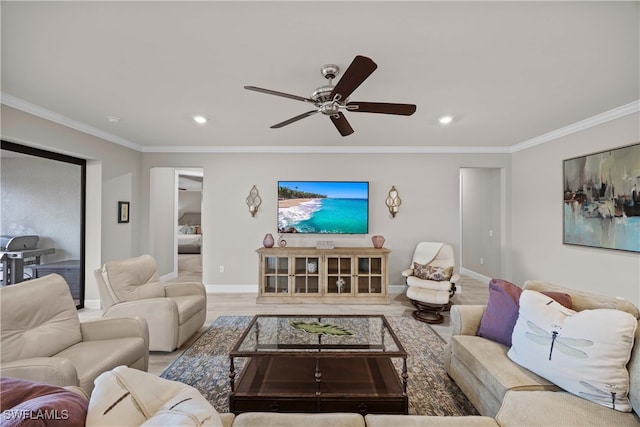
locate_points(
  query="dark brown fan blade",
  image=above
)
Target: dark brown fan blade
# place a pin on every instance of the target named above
(358, 71)
(342, 124)
(294, 119)
(273, 92)
(381, 107)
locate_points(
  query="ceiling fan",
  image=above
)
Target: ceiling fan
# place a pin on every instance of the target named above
(330, 99)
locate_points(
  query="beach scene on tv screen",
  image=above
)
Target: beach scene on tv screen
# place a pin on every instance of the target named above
(333, 207)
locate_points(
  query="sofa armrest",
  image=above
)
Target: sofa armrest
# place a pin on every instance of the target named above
(115, 327)
(465, 319)
(408, 272)
(51, 370)
(183, 289)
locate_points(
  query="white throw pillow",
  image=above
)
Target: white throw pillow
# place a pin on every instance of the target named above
(583, 352)
(126, 397)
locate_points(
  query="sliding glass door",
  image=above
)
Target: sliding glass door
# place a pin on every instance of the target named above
(42, 216)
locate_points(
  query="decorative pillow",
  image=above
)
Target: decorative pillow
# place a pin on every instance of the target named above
(501, 313)
(429, 272)
(29, 403)
(584, 352)
(126, 397)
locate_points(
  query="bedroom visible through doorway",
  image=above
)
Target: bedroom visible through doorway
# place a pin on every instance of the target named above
(189, 223)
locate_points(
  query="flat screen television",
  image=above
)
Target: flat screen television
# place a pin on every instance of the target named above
(323, 207)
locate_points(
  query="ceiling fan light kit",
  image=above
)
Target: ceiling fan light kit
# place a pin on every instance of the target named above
(331, 99)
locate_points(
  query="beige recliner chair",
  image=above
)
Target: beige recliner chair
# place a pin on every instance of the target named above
(431, 280)
(173, 311)
(42, 338)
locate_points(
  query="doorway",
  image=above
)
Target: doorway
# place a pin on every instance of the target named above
(482, 222)
(189, 223)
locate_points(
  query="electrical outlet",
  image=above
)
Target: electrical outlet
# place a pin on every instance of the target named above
(222, 269)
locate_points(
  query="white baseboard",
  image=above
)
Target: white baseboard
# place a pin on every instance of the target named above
(475, 275)
(232, 289)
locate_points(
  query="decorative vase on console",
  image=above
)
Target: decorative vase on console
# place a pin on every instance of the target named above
(268, 241)
(378, 241)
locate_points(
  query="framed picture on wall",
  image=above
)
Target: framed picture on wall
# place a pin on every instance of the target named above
(123, 212)
(602, 199)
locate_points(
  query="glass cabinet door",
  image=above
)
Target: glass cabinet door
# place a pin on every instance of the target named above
(369, 275)
(339, 275)
(276, 275)
(306, 275)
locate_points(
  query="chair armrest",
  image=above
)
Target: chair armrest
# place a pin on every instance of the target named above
(465, 319)
(408, 272)
(51, 370)
(115, 327)
(183, 289)
(455, 278)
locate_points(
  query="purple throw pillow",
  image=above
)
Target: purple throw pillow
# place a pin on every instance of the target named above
(501, 314)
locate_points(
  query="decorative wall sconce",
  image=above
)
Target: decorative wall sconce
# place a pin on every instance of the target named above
(254, 200)
(393, 201)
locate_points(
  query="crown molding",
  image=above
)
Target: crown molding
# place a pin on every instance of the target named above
(52, 116)
(616, 113)
(36, 110)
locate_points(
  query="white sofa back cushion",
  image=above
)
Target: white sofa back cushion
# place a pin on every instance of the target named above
(584, 352)
(39, 318)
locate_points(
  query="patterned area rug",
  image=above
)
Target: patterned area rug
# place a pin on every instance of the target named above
(205, 366)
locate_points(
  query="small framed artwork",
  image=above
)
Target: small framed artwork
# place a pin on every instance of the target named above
(123, 212)
(602, 199)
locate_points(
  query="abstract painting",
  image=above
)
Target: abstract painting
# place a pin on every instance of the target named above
(602, 199)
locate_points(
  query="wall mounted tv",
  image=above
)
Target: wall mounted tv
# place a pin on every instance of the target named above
(323, 207)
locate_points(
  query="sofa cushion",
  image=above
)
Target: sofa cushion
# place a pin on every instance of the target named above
(489, 362)
(501, 313)
(584, 352)
(126, 397)
(552, 409)
(27, 403)
(38, 317)
(384, 420)
(133, 279)
(272, 419)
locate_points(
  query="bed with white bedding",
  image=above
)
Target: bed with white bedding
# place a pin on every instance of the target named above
(189, 234)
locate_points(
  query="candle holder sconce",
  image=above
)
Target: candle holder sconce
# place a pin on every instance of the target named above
(254, 200)
(393, 201)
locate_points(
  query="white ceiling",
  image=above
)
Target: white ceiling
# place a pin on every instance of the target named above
(508, 72)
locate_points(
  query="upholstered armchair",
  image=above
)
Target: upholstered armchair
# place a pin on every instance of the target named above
(431, 280)
(43, 340)
(173, 311)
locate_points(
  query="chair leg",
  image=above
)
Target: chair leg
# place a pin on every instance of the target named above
(428, 313)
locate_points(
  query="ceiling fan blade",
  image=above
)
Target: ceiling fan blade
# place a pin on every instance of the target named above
(286, 95)
(341, 123)
(361, 68)
(381, 107)
(294, 119)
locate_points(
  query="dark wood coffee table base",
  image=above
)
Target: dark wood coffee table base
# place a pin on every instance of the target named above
(344, 384)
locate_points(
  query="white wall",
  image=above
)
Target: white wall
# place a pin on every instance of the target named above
(536, 200)
(427, 184)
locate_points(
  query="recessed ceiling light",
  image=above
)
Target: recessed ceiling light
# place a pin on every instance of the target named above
(445, 120)
(200, 119)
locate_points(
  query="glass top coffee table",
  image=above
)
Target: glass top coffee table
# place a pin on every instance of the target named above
(333, 363)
